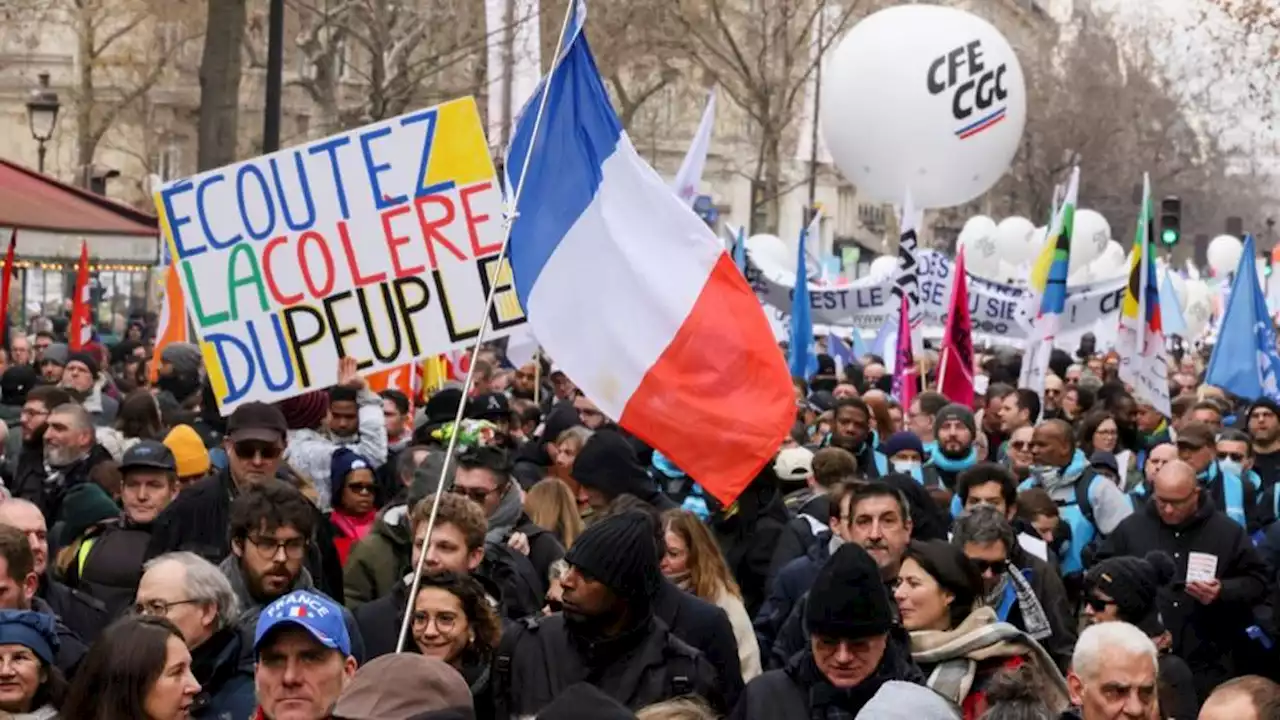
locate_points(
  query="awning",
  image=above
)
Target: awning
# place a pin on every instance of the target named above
(52, 218)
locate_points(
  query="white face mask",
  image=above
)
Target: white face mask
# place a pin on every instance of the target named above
(906, 466)
(1232, 466)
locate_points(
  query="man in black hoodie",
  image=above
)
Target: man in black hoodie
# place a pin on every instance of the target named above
(607, 634)
(1209, 614)
(607, 467)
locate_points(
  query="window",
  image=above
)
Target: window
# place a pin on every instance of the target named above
(167, 161)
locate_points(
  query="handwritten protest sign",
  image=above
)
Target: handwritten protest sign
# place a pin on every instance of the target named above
(380, 243)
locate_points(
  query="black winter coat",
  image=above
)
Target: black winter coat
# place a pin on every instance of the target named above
(71, 648)
(198, 521)
(747, 538)
(707, 629)
(113, 567)
(786, 589)
(540, 658)
(797, 691)
(29, 478)
(84, 615)
(1206, 636)
(1046, 583)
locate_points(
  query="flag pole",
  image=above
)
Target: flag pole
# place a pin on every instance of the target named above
(509, 221)
(537, 377)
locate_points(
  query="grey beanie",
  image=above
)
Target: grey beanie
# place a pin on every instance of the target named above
(56, 353)
(184, 357)
(897, 700)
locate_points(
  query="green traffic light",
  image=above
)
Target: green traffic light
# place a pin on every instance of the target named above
(1169, 236)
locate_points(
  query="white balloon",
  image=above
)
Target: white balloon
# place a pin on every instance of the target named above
(884, 266)
(1013, 236)
(982, 255)
(1089, 237)
(923, 97)
(1199, 308)
(772, 257)
(1224, 254)
(1111, 264)
(976, 227)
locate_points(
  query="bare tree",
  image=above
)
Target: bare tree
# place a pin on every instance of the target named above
(220, 74)
(124, 48)
(759, 55)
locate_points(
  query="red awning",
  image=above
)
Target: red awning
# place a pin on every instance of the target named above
(39, 202)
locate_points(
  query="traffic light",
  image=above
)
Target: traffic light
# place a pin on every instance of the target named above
(1170, 220)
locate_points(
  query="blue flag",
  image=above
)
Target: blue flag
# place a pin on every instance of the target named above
(886, 339)
(859, 347)
(803, 361)
(1246, 334)
(740, 251)
(1170, 312)
(840, 352)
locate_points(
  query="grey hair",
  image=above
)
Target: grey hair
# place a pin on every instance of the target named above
(81, 417)
(983, 524)
(1108, 638)
(578, 432)
(204, 583)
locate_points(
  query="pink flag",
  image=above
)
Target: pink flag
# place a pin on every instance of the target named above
(955, 364)
(906, 376)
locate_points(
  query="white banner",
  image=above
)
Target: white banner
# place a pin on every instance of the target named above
(997, 308)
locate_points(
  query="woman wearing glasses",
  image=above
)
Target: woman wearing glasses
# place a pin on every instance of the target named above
(353, 491)
(955, 639)
(453, 621)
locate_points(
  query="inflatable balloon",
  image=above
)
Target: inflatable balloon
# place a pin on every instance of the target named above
(982, 255)
(1013, 238)
(772, 257)
(1224, 254)
(884, 266)
(1090, 235)
(926, 98)
(978, 226)
(1199, 308)
(1111, 264)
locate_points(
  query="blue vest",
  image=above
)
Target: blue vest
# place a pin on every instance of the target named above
(1082, 530)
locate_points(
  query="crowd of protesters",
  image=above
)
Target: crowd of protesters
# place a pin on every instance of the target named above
(1070, 554)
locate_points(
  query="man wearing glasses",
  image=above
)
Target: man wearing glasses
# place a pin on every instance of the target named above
(24, 451)
(271, 525)
(191, 593)
(1219, 578)
(1264, 428)
(197, 520)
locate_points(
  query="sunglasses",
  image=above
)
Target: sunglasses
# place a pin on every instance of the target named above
(1238, 457)
(1189, 447)
(360, 488)
(1097, 603)
(248, 448)
(982, 566)
(476, 495)
(1019, 445)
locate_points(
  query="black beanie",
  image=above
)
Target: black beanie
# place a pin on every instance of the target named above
(955, 411)
(608, 463)
(620, 552)
(583, 701)
(1134, 583)
(848, 600)
(87, 359)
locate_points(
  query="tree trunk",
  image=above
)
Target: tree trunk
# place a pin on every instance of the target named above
(85, 143)
(220, 84)
(772, 178)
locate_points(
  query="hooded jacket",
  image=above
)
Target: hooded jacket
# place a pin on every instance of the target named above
(379, 560)
(1206, 636)
(646, 664)
(607, 463)
(312, 453)
(225, 673)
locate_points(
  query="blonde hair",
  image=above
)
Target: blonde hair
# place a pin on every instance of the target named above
(677, 709)
(552, 507)
(708, 573)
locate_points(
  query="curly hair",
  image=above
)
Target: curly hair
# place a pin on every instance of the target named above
(459, 511)
(271, 505)
(481, 616)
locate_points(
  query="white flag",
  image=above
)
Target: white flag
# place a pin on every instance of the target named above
(907, 280)
(690, 174)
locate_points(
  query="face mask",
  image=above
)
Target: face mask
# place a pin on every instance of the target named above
(909, 467)
(1232, 466)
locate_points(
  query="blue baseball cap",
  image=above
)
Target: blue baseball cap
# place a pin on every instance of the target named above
(311, 611)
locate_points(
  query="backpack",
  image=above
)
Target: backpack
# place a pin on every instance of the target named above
(515, 577)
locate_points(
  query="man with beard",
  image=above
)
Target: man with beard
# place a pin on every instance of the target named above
(24, 449)
(1089, 504)
(53, 362)
(82, 380)
(1053, 388)
(71, 456)
(956, 429)
(992, 425)
(179, 372)
(852, 427)
(606, 636)
(353, 416)
(271, 525)
(1264, 428)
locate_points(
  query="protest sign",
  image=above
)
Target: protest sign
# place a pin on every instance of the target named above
(379, 243)
(996, 308)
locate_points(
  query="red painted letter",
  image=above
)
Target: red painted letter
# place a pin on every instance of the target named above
(356, 278)
(431, 228)
(395, 241)
(473, 220)
(281, 298)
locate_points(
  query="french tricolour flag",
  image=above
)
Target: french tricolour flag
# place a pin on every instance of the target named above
(632, 293)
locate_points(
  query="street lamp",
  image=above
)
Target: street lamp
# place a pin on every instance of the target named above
(42, 114)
